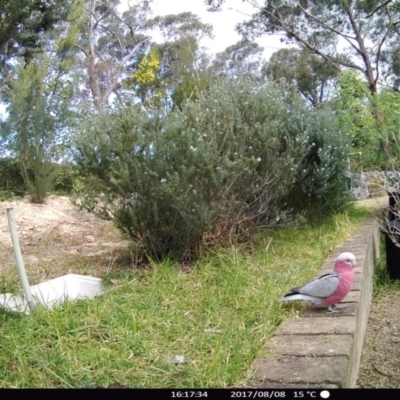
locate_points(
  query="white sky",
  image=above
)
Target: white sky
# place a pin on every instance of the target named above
(224, 22)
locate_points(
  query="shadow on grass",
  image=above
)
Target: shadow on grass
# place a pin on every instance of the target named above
(6, 315)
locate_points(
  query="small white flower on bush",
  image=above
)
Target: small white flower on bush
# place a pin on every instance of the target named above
(163, 180)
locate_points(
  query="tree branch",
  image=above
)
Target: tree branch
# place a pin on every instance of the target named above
(378, 8)
(321, 92)
(93, 14)
(303, 42)
(81, 49)
(113, 75)
(329, 28)
(363, 52)
(378, 53)
(133, 51)
(116, 36)
(315, 50)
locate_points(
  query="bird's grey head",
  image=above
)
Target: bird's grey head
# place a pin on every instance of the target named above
(347, 256)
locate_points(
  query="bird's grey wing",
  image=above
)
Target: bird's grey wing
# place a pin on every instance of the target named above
(324, 286)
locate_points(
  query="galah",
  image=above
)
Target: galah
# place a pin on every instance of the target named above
(328, 289)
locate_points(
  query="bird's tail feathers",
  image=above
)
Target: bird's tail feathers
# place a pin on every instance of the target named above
(298, 296)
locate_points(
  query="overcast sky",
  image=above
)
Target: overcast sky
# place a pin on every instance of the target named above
(223, 22)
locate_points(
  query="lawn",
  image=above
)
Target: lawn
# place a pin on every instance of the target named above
(218, 315)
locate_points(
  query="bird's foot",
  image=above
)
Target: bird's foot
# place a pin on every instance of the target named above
(332, 311)
(336, 307)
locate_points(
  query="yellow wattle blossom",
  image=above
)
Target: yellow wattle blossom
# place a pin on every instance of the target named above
(146, 73)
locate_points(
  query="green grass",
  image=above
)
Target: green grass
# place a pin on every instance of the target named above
(220, 316)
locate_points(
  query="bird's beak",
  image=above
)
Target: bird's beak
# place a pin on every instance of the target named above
(354, 263)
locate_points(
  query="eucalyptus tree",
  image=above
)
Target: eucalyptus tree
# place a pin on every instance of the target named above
(184, 68)
(314, 77)
(355, 34)
(242, 58)
(110, 40)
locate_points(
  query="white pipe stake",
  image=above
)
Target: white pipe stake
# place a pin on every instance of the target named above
(19, 260)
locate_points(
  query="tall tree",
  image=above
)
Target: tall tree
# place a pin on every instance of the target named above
(377, 139)
(108, 43)
(23, 25)
(313, 75)
(39, 108)
(180, 63)
(243, 57)
(38, 118)
(362, 27)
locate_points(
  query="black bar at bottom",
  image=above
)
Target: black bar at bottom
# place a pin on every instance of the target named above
(211, 394)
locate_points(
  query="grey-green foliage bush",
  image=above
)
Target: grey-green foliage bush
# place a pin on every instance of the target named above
(321, 186)
(222, 163)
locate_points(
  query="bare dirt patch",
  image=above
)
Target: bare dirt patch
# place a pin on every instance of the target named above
(57, 238)
(380, 361)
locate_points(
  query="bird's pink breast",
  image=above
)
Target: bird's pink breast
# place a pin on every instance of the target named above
(345, 285)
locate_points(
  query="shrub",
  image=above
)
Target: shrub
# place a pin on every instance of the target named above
(321, 186)
(229, 159)
(371, 120)
(11, 181)
(65, 176)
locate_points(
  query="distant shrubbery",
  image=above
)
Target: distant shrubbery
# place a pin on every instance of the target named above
(65, 178)
(12, 182)
(239, 157)
(372, 121)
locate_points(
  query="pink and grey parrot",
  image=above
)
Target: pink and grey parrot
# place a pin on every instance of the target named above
(328, 289)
